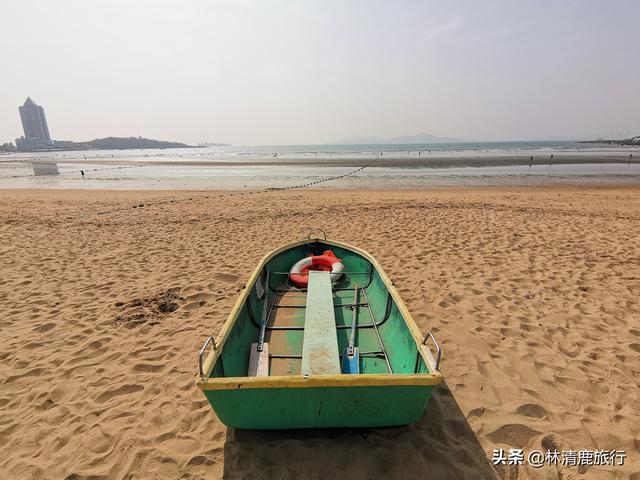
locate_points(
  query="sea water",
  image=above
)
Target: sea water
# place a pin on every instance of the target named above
(390, 166)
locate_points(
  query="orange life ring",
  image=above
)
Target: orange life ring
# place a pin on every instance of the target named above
(328, 262)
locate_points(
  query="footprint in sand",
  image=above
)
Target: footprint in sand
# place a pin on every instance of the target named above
(194, 305)
(148, 367)
(477, 412)
(552, 441)
(514, 434)
(492, 299)
(226, 277)
(123, 390)
(532, 410)
(46, 327)
(200, 460)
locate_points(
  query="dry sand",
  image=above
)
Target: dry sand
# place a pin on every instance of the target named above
(534, 294)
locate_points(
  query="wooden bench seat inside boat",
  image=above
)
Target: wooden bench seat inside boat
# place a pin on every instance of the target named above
(320, 355)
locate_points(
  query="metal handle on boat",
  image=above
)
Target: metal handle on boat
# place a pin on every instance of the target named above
(438, 349)
(316, 230)
(208, 341)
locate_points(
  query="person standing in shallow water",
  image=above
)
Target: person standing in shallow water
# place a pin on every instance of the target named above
(82, 172)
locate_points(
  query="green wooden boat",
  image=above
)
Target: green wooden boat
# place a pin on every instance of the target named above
(343, 351)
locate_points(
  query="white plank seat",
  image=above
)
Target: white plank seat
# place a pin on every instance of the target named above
(320, 355)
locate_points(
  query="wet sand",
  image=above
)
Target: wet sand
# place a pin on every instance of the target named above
(388, 160)
(532, 292)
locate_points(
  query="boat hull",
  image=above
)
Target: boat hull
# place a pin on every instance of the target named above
(319, 407)
(397, 371)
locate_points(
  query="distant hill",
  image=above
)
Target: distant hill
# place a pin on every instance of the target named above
(401, 140)
(132, 142)
(117, 143)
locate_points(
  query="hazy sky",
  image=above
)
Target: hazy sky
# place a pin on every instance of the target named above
(283, 72)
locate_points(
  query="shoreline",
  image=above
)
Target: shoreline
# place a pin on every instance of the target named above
(222, 191)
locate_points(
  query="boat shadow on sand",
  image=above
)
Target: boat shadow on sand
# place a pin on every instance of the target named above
(440, 445)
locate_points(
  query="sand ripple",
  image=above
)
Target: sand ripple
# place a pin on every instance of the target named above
(533, 294)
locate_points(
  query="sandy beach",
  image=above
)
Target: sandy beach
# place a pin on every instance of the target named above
(533, 292)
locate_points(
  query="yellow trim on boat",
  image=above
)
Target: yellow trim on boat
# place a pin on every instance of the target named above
(342, 380)
(299, 381)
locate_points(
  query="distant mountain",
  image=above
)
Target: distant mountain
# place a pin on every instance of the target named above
(401, 140)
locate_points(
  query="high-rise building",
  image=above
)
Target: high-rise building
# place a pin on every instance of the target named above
(34, 123)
